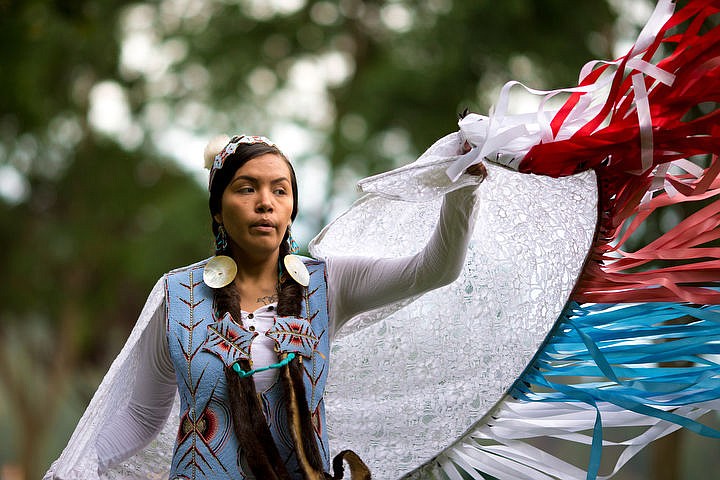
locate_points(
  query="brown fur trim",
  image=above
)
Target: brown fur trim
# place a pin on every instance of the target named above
(251, 429)
(300, 423)
(290, 298)
(358, 469)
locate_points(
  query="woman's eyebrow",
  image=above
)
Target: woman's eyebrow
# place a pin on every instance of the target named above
(245, 178)
(252, 179)
(280, 180)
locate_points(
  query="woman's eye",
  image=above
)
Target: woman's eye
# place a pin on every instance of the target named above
(245, 189)
(280, 191)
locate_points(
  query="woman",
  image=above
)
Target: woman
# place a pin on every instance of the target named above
(245, 341)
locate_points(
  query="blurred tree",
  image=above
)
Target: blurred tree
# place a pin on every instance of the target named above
(86, 224)
(391, 75)
(98, 96)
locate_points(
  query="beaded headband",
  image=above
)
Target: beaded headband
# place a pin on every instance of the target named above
(216, 162)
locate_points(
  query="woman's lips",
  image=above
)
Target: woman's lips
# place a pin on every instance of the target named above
(264, 226)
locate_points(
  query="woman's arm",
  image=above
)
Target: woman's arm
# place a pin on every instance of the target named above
(135, 425)
(358, 284)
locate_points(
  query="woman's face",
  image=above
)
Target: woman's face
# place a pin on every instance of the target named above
(256, 206)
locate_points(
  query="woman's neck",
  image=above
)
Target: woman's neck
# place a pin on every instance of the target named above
(257, 270)
(256, 280)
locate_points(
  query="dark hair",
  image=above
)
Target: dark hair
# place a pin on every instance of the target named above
(243, 154)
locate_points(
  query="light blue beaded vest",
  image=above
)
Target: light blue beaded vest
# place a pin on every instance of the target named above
(201, 345)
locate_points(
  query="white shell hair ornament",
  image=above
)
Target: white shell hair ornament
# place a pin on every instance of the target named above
(213, 149)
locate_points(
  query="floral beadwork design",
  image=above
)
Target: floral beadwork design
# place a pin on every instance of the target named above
(293, 334)
(228, 340)
(233, 144)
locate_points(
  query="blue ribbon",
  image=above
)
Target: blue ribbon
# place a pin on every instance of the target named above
(622, 348)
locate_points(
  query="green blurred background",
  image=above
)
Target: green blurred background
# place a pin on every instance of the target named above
(105, 107)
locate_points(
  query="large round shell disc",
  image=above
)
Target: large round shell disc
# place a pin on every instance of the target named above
(297, 269)
(219, 271)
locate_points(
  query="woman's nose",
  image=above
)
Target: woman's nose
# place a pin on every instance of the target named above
(264, 203)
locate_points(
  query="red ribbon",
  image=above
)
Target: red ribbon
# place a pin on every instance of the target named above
(678, 265)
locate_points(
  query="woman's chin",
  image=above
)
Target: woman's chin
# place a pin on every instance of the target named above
(258, 248)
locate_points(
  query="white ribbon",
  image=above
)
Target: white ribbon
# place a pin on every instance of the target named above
(651, 70)
(661, 180)
(662, 13)
(642, 105)
(509, 456)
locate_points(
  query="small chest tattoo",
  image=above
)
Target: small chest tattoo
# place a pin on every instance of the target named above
(268, 299)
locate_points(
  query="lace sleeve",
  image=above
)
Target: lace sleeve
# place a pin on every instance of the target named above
(117, 394)
(131, 428)
(357, 284)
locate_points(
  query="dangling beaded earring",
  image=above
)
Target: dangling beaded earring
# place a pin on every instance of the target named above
(294, 265)
(221, 241)
(220, 270)
(294, 247)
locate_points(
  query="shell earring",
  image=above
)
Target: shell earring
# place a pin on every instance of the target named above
(220, 270)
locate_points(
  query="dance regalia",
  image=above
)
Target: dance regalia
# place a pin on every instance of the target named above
(552, 329)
